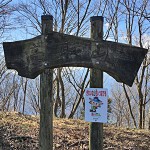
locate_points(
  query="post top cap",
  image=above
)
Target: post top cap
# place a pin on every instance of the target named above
(47, 17)
(94, 18)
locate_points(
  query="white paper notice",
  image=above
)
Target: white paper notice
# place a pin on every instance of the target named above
(96, 101)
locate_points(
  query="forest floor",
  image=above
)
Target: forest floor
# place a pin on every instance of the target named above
(20, 132)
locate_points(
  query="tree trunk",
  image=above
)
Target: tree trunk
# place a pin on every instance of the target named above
(63, 102)
(57, 101)
(144, 117)
(149, 120)
(24, 97)
(129, 104)
(76, 104)
(140, 113)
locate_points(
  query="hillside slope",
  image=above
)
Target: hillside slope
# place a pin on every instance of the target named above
(20, 132)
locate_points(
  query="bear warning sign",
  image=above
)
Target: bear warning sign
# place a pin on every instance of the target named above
(96, 101)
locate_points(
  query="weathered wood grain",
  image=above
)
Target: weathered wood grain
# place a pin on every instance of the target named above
(31, 57)
(46, 93)
(96, 81)
(26, 56)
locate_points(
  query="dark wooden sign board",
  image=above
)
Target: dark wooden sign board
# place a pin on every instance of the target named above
(31, 57)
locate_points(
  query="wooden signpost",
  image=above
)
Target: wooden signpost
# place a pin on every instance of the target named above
(46, 96)
(52, 49)
(96, 81)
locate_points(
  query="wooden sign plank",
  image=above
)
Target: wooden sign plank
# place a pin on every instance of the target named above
(31, 57)
(27, 56)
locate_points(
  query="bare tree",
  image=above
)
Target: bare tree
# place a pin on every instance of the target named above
(120, 110)
(123, 17)
(137, 27)
(16, 92)
(33, 95)
(4, 13)
(24, 83)
(79, 86)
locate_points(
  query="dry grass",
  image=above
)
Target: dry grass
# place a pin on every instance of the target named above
(20, 132)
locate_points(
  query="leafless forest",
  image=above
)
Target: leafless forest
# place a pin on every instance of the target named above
(125, 21)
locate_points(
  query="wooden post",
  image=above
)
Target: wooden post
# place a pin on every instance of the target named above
(96, 81)
(46, 88)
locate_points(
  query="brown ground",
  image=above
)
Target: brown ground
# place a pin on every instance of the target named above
(20, 132)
